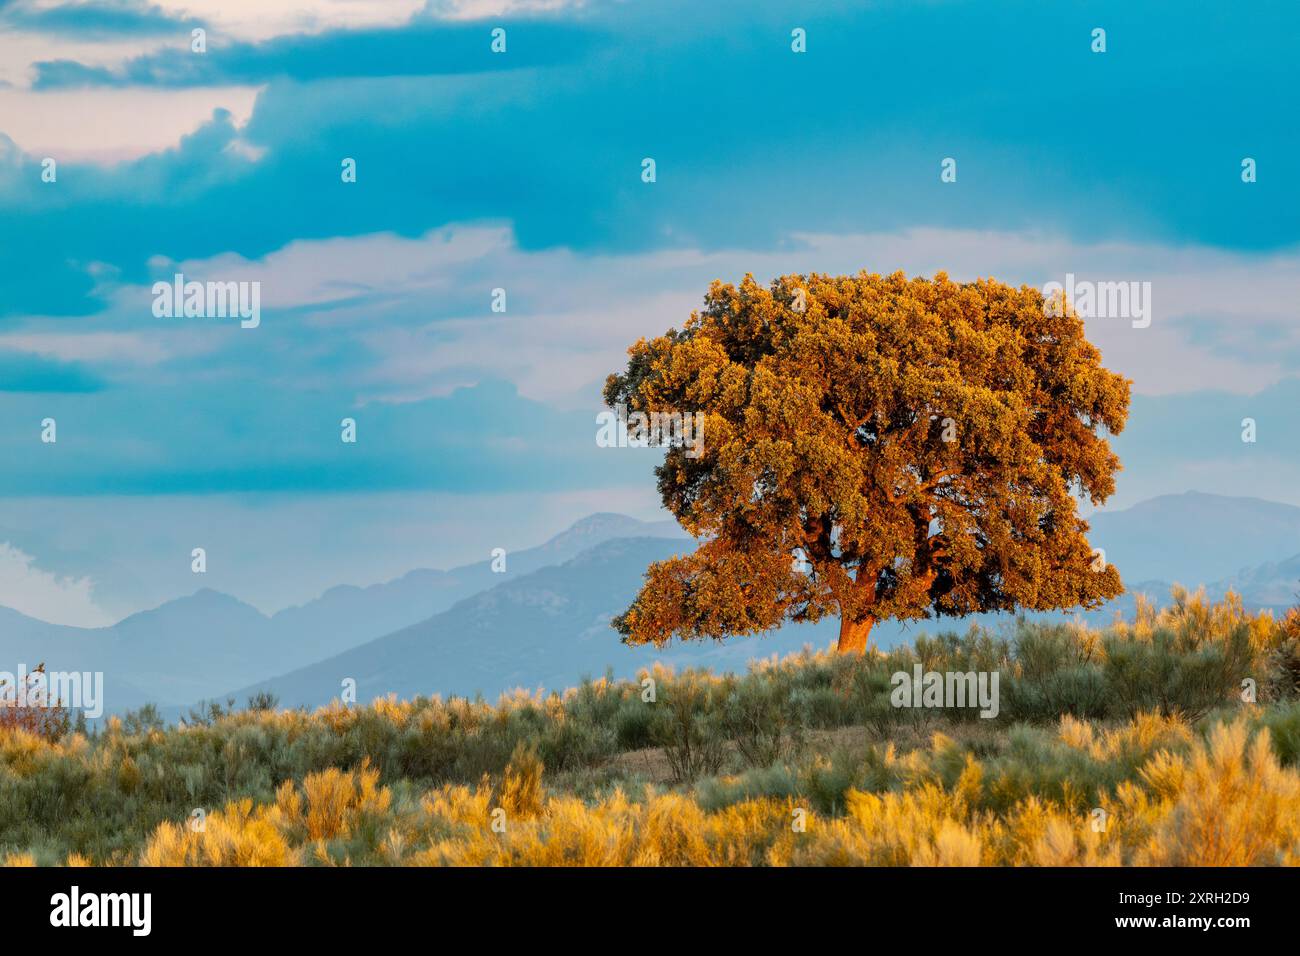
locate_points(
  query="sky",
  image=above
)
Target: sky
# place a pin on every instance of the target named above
(522, 170)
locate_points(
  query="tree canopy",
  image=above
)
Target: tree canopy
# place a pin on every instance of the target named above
(874, 447)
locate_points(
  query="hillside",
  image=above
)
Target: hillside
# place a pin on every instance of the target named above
(810, 761)
(1195, 538)
(346, 616)
(550, 628)
(544, 629)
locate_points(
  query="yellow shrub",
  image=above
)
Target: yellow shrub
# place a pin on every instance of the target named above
(1237, 806)
(336, 798)
(924, 827)
(235, 836)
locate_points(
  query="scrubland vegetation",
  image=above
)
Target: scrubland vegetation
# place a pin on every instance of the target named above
(1131, 745)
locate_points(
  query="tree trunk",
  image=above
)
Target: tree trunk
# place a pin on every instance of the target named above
(854, 635)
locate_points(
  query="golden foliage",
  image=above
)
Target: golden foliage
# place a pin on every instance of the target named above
(919, 441)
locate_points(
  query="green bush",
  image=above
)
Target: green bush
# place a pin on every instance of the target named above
(762, 719)
(688, 726)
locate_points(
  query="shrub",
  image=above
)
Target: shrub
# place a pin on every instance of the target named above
(761, 718)
(520, 790)
(686, 725)
(1232, 804)
(632, 724)
(1186, 659)
(1282, 668)
(31, 710)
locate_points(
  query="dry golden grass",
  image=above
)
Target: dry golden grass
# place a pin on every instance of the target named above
(1131, 746)
(1224, 801)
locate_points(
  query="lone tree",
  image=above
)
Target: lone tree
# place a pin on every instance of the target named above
(874, 448)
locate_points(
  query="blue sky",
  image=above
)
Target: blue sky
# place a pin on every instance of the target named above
(521, 171)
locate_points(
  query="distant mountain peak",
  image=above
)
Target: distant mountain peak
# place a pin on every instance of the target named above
(210, 596)
(604, 525)
(1196, 538)
(609, 549)
(207, 600)
(1208, 499)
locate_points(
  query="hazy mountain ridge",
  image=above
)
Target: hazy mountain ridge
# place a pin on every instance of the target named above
(542, 631)
(1196, 538)
(203, 644)
(546, 629)
(346, 610)
(544, 621)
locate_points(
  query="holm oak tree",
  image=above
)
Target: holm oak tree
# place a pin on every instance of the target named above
(874, 447)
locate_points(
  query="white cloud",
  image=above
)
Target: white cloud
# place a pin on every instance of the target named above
(117, 124)
(20, 50)
(572, 316)
(107, 347)
(47, 597)
(414, 315)
(478, 9)
(113, 125)
(259, 20)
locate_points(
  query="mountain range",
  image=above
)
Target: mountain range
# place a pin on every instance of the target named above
(545, 630)
(1196, 538)
(203, 645)
(543, 620)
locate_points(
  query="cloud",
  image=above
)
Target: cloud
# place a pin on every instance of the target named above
(523, 172)
(418, 48)
(243, 435)
(47, 597)
(84, 127)
(481, 9)
(258, 20)
(93, 18)
(21, 49)
(103, 348)
(551, 135)
(399, 333)
(22, 372)
(244, 19)
(399, 318)
(80, 228)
